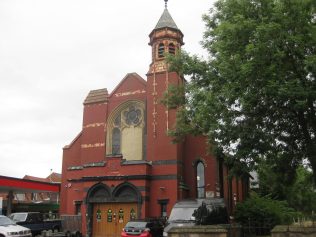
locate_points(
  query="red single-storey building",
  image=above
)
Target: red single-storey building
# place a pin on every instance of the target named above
(20, 194)
(123, 165)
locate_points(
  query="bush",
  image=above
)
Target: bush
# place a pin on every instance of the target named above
(263, 212)
(205, 216)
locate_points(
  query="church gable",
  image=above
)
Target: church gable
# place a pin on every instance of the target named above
(131, 84)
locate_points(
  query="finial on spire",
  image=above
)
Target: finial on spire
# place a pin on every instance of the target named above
(166, 3)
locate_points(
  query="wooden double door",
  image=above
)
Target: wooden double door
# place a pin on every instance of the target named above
(110, 218)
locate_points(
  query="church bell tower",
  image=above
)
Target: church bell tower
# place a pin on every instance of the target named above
(166, 157)
(164, 38)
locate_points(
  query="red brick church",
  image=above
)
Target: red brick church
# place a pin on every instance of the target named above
(122, 165)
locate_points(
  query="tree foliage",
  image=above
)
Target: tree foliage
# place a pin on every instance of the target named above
(264, 212)
(299, 194)
(255, 96)
(205, 216)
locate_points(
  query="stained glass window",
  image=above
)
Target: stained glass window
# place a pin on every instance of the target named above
(116, 141)
(132, 116)
(117, 121)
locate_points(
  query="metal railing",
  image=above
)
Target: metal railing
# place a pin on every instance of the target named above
(305, 221)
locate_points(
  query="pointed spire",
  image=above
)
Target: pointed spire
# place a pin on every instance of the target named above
(166, 4)
(166, 20)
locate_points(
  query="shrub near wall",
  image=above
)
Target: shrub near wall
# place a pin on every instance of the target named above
(263, 212)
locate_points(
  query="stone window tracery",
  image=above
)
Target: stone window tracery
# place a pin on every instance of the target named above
(126, 131)
(132, 116)
(117, 121)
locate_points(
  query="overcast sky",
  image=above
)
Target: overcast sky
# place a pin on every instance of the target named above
(53, 52)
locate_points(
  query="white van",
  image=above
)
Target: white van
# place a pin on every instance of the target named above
(8, 228)
(182, 212)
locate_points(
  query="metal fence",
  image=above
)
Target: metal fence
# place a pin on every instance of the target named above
(257, 228)
(250, 229)
(263, 227)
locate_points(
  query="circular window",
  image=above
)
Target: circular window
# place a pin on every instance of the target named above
(132, 116)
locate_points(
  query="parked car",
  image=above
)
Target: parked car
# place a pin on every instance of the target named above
(35, 222)
(8, 228)
(182, 212)
(143, 228)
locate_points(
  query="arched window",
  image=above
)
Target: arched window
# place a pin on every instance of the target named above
(172, 49)
(161, 50)
(116, 141)
(126, 131)
(200, 180)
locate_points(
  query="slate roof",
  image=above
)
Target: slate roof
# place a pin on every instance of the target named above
(166, 21)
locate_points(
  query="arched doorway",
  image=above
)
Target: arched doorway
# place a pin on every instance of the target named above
(109, 209)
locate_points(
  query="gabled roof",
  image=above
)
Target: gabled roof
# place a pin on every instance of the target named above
(129, 76)
(166, 21)
(52, 178)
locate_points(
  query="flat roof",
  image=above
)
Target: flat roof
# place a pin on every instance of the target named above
(24, 185)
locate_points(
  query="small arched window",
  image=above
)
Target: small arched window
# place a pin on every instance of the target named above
(161, 50)
(200, 180)
(172, 49)
(116, 141)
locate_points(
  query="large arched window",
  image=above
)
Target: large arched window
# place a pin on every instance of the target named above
(200, 180)
(126, 131)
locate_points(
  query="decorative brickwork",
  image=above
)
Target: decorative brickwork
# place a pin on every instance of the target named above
(124, 145)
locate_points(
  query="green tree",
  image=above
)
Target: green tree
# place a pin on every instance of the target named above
(255, 96)
(299, 193)
(264, 212)
(302, 195)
